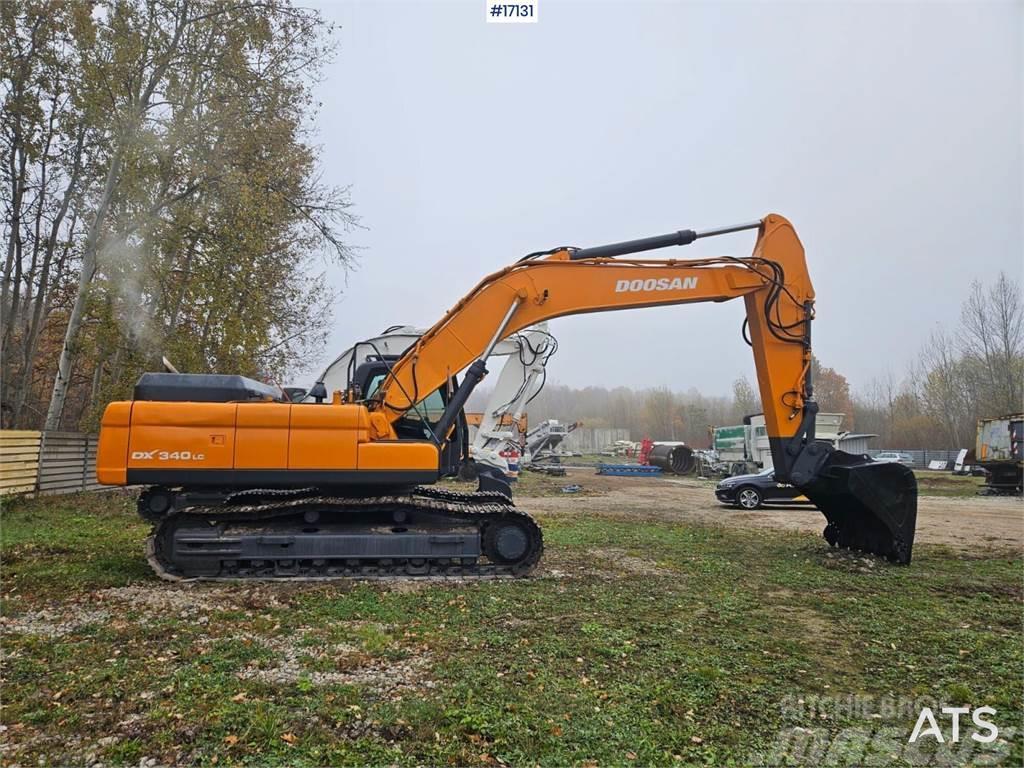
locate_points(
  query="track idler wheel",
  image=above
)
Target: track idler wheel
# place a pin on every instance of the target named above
(155, 503)
(506, 542)
(514, 542)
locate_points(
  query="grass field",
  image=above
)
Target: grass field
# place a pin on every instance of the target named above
(947, 484)
(635, 644)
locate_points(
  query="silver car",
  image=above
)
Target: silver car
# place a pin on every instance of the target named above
(895, 457)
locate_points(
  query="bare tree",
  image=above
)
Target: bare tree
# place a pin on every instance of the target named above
(745, 400)
(170, 92)
(946, 395)
(992, 334)
(1008, 325)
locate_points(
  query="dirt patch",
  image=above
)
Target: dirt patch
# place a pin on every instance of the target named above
(812, 628)
(624, 562)
(815, 623)
(166, 599)
(352, 666)
(600, 563)
(52, 622)
(967, 524)
(851, 561)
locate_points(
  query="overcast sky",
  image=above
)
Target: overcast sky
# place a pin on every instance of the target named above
(890, 134)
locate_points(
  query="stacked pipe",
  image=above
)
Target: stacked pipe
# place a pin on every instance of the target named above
(677, 459)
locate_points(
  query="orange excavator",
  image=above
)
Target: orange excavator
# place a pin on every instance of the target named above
(242, 483)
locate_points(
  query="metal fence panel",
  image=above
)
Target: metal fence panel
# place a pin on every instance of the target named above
(592, 439)
(922, 458)
(67, 463)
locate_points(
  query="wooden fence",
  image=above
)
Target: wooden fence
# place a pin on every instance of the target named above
(46, 462)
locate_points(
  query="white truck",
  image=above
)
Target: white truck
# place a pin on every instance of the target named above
(744, 448)
(999, 450)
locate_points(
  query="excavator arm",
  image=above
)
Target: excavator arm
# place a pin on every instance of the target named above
(868, 506)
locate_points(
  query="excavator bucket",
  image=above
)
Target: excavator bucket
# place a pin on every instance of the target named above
(870, 506)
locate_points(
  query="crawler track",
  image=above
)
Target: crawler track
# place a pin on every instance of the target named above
(270, 514)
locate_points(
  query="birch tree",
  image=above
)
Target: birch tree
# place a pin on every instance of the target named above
(159, 190)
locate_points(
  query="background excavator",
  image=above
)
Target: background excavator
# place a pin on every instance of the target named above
(245, 484)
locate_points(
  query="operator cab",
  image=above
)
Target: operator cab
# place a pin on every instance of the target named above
(419, 421)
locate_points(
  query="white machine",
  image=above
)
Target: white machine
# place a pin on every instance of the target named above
(544, 439)
(498, 442)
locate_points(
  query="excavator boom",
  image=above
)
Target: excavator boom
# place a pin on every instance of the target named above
(868, 506)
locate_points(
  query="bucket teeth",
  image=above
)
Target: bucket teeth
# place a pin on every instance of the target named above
(870, 506)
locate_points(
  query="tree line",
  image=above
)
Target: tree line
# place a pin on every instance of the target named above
(972, 370)
(160, 197)
(656, 412)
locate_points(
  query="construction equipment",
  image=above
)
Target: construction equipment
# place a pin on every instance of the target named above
(243, 484)
(509, 452)
(499, 438)
(999, 450)
(542, 441)
(389, 344)
(745, 448)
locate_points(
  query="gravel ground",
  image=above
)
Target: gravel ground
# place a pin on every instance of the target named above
(987, 522)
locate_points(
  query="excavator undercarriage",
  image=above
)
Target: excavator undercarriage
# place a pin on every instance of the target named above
(308, 534)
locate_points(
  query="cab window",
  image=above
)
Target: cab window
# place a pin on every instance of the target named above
(432, 406)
